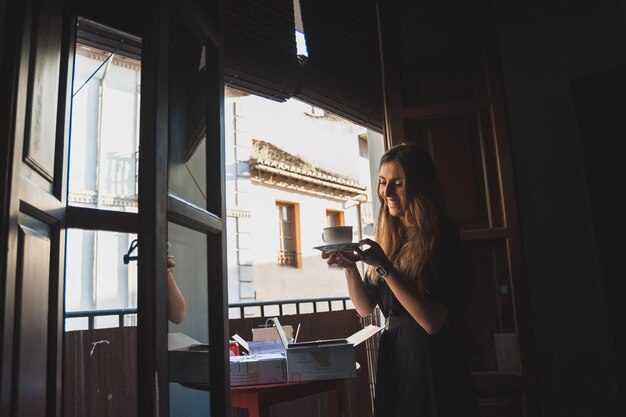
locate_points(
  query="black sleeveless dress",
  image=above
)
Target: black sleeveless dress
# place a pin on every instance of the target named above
(422, 375)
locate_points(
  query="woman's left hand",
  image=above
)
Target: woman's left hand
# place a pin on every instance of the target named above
(374, 255)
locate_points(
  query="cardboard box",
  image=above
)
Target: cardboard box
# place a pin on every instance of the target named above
(270, 368)
(323, 359)
(261, 334)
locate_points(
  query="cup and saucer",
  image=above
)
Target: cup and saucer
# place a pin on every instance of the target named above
(337, 239)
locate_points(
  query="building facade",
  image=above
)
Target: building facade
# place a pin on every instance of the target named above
(292, 169)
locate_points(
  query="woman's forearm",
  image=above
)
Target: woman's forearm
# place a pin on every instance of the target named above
(428, 314)
(361, 298)
(176, 306)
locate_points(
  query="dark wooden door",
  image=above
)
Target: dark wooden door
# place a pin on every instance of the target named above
(34, 69)
(181, 190)
(600, 107)
(442, 89)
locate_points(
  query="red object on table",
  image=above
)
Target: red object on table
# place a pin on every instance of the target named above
(233, 347)
(258, 399)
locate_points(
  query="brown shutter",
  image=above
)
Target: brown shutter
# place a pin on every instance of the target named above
(342, 73)
(260, 47)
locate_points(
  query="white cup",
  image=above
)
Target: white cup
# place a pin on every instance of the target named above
(337, 234)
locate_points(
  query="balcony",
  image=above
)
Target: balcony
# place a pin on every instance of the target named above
(100, 363)
(287, 258)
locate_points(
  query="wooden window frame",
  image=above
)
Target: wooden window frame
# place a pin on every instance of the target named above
(297, 241)
(342, 216)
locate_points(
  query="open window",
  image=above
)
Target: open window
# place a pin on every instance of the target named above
(144, 258)
(101, 286)
(289, 251)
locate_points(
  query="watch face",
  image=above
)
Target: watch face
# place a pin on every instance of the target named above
(380, 270)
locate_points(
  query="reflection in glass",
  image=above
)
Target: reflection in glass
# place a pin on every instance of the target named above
(105, 130)
(188, 250)
(96, 277)
(187, 117)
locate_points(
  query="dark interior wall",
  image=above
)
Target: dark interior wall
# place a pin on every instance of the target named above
(543, 49)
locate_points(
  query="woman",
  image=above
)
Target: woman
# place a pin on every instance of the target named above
(413, 273)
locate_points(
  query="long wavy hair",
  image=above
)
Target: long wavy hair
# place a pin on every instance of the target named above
(410, 241)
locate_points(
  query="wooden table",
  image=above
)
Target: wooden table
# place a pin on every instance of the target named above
(258, 399)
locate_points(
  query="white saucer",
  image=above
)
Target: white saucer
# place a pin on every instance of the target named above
(338, 247)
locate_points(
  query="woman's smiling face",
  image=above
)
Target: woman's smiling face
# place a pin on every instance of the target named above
(391, 187)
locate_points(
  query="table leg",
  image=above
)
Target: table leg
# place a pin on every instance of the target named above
(335, 398)
(264, 405)
(247, 400)
(341, 395)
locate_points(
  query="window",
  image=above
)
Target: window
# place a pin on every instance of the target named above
(363, 149)
(105, 130)
(334, 218)
(101, 215)
(288, 250)
(102, 180)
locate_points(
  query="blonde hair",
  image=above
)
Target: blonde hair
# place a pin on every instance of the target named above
(410, 241)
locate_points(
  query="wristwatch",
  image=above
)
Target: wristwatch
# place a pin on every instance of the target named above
(382, 271)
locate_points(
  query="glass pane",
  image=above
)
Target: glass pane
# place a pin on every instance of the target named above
(486, 328)
(187, 117)
(286, 212)
(104, 139)
(97, 279)
(189, 322)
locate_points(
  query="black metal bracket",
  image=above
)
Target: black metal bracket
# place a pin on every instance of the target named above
(127, 258)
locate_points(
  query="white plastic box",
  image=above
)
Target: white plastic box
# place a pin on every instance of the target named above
(269, 368)
(323, 359)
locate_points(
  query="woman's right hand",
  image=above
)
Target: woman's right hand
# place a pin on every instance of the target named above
(345, 260)
(171, 263)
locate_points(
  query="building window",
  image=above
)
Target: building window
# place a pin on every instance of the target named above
(363, 148)
(288, 232)
(334, 218)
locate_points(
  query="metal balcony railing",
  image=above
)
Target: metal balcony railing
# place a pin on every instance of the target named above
(245, 309)
(247, 306)
(287, 258)
(92, 314)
